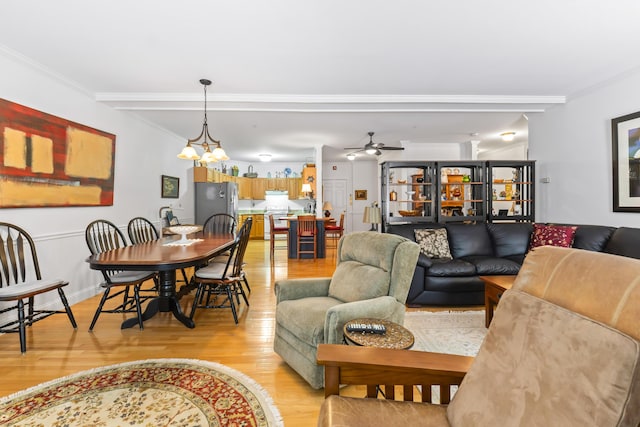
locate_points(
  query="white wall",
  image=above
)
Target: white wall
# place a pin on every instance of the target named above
(572, 146)
(143, 154)
(510, 152)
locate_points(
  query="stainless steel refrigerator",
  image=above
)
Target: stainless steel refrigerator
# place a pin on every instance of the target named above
(215, 197)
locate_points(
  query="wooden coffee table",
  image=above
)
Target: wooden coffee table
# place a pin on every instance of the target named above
(494, 287)
(396, 336)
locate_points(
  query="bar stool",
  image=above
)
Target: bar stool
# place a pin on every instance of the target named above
(334, 232)
(273, 231)
(307, 235)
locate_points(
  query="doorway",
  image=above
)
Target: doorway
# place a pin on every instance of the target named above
(335, 191)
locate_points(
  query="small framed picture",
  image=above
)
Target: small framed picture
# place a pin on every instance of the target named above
(361, 194)
(170, 187)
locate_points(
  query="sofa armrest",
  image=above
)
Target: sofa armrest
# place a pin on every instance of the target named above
(424, 261)
(370, 366)
(292, 289)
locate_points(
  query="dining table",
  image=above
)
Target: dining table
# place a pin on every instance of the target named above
(165, 256)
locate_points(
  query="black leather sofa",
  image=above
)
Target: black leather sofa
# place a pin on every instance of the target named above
(493, 249)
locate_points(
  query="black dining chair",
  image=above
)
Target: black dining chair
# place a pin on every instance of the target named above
(21, 281)
(101, 236)
(223, 279)
(141, 230)
(219, 223)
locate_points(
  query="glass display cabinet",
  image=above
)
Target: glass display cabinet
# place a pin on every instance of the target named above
(511, 190)
(408, 192)
(457, 191)
(462, 191)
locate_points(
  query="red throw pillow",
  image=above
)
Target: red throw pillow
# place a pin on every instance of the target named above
(552, 235)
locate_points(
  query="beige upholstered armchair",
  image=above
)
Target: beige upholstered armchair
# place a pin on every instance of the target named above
(562, 350)
(372, 279)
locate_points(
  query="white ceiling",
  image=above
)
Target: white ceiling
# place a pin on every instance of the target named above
(292, 75)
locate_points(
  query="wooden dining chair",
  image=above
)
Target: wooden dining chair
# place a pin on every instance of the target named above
(273, 232)
(307, 235)
(21, 281)
(101, 236)
(224, 279)
(142, 230)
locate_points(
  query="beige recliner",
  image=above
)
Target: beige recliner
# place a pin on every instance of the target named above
(562, 350)
(372, 278)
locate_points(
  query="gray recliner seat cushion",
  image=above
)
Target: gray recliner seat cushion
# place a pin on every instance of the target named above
(310, 327)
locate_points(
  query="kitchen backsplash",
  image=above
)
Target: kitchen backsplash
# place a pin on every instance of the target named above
(256, 205)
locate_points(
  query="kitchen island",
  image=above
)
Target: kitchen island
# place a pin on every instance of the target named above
(293, 237)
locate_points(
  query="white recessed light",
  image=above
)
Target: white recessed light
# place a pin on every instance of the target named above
(507, 136)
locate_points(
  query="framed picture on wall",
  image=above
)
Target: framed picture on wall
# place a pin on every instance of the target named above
(170, 187)
(361, 194)
(625, 138)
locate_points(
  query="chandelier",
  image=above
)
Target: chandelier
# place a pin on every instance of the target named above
(189, 153)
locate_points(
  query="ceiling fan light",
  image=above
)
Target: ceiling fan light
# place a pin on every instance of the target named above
(351, 156)
(371, 150)
(507, 136)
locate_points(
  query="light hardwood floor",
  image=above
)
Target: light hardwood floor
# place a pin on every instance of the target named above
(54, 349)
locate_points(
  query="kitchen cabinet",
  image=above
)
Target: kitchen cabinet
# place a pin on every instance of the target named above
(277, 184)
(309, 177)
(245, 188)
(251, 188)
(257, 227)
(294, 188)
(258, 188)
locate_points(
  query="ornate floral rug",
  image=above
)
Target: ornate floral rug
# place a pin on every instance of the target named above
(156, 392)
(451, 332)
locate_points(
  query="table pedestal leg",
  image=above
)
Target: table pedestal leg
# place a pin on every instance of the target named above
(166, 301)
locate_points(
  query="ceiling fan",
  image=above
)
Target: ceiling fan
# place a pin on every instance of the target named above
(373, 147)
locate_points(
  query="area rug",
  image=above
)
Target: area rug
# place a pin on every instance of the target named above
(451, 332)
(155, 392)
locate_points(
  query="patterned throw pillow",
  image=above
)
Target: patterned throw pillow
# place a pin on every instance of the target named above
(433, 242)
(552, 235)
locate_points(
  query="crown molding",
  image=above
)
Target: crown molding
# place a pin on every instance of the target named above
(329, 99)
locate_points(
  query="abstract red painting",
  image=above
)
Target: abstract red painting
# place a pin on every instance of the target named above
(47, 161)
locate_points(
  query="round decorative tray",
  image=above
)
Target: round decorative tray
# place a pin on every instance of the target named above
(414, 212)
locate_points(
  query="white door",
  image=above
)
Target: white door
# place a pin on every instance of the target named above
(335, 191)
